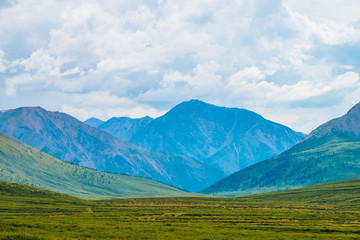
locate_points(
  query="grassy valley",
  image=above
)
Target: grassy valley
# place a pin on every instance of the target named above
(30, 213)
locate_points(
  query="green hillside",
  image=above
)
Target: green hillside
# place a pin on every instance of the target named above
(329, 153)
(332, 159)
(344, 193)
(21, 163)
(16, 192)
(326, 211)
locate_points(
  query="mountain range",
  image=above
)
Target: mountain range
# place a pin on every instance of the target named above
(228, 139)
(69, 139)
(21, 163)
(191, 147)
(329, 153)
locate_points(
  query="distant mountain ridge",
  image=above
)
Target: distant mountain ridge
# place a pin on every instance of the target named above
(228, 139)
(205, 142)
(124, 128)
(94, 122)
(329, 153)
(21, 163)
(347, 125)
(68, 139)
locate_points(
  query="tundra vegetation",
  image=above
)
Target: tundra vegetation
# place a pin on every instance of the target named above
(326, 211)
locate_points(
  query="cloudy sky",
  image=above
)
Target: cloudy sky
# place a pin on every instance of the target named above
(294, 62)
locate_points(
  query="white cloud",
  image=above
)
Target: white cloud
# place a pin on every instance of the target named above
(42, 62)
(204, 75)
(324, 11)
(142, 57)
(104, 105)
(3, 62)
(250, 74)
(83, 114)
(267, 93)
(347, 80)
(100, 98)
(125, 108)
(331, 22)
(11, 84)
(24, 26)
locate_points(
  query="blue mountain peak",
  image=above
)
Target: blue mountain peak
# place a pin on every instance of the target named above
(355, 109)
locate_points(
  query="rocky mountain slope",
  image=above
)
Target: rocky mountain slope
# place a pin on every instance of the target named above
(228, 139)
(124, 128)
(68, 139)
(329, 153)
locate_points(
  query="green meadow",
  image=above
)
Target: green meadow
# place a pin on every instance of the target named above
(326, 211)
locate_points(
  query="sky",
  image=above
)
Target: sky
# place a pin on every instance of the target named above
(293, 62)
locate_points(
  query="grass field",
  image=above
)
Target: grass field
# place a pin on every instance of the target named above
(30, 213)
